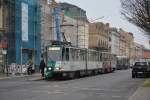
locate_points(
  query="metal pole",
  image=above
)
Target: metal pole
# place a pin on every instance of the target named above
(21, 58)
(6, 64)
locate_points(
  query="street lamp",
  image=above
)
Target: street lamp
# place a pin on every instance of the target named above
(97, 19)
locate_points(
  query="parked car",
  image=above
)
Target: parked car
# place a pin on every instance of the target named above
(141, 68)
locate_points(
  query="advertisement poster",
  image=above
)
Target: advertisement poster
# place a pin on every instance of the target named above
(24, 22)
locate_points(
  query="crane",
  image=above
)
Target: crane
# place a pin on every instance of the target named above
(57, 14)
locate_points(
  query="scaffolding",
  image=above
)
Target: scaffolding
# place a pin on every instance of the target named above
(17, 49)
(30, 48)
(8, 34)
(79, 24)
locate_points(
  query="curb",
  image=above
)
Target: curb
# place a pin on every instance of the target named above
(133, 97)
(134, 94)
(19, 76)
(146, 84)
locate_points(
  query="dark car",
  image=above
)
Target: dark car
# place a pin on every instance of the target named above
(141, 68)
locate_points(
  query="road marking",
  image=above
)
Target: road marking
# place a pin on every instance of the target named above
(56, 92)
(31, 98)
(21, 90)
(116, 96)
(115, 90)
(51, 86)
(101, 94)
(56, 86)
(37, 91)
(96, 89)
(76, 87)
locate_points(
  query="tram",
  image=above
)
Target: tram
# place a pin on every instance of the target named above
(123, 62)
(68, 61)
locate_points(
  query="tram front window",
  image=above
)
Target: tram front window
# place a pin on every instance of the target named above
(54, 54)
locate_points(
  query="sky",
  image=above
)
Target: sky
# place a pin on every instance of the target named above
(110, 9)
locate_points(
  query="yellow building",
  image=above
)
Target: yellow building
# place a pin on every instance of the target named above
(138, 51)
(126, 41)
(99, 35)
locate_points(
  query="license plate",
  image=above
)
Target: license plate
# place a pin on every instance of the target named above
(140, 72)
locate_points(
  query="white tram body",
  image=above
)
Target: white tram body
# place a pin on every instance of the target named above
(70, 60)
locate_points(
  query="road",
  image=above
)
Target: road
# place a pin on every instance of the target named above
(114, 86)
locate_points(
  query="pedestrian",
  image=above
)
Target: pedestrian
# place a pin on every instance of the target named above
(42, 67)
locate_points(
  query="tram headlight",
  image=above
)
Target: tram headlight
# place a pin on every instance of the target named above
(49, 68)
(57, 68)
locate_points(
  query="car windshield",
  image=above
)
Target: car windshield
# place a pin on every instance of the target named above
(141, 64)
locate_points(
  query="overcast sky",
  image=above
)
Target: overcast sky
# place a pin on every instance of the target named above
(110, 9)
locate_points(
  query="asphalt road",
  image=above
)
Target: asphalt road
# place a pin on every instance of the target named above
(114, 86)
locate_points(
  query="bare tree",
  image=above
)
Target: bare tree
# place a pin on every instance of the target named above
(137, 12)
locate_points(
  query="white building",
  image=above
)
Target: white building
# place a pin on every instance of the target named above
(82, 33)
(69, 29)
(75, 25)
(115, 41)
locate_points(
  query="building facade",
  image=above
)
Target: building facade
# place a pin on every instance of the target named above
(28, 30)
(1, 33)
(129, 42)
(122, 45)
(47, 24)
(147, 54)
(99, 36)
(115, 40)
(7, 31)
(21, 37)
(74, 25)
(1, 15)
(137, 52)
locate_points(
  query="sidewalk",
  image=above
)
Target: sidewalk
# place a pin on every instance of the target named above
(143, 93)
(35, 76)
(3, 76)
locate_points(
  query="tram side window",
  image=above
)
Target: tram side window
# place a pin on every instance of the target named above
(82, 55)
(92, 56)
(100, 56)
(75, 55)
(63, 54)
(103, 56)
(78, 56)
(72, 54)
(97, 56)
(67, 54)
(89, 56)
